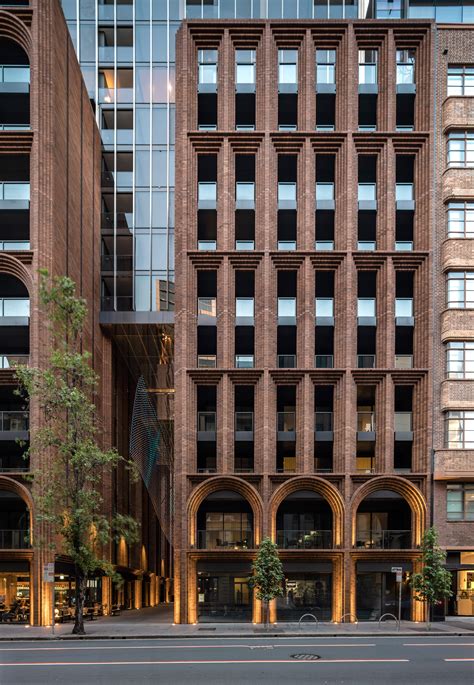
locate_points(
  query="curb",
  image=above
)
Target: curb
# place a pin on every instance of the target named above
(237, 636)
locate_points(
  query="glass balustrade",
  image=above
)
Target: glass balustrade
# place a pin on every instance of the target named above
(11, 306)
(11, 73)
(365, 422)
(384, 539)
(286, 421)
(15, 190)
(14, 421)
(304, 539)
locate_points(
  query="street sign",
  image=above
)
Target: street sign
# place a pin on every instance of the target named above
(399, 572)
(48, 572)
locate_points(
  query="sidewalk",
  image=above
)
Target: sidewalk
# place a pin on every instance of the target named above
(157, 623)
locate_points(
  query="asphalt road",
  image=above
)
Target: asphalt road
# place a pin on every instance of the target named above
(401, 660)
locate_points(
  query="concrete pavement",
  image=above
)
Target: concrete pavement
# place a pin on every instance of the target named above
(352, 661)
(157, 623)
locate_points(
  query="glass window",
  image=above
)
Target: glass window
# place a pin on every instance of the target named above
(403, 307)
(324, 191)
(325, 306)
(460, 501)
(460, 359)
(460, 220)
(287, 66)
(88, 43)
(367, 192)
(207, 192)
(405, 66)
(325, 66)
(460, 80)
(207, 66)
(245, 191)
(460, 290)
(404, 192)
(287, 192)
(142, 44)
(287, 307)
(244, 306)
(367, 66)
(366, 307)
(461, 149)
(459, 429)
(245, 66)
(160, 42)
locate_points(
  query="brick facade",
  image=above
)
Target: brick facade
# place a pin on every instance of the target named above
(344, 487)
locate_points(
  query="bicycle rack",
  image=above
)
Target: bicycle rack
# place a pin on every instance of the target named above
(304, 616)
(393, 616)
(350, 617)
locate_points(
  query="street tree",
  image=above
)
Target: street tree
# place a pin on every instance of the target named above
(268, 576)
(66, 445)
(433, 584)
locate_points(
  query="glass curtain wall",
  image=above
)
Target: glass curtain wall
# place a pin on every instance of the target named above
(127, 53)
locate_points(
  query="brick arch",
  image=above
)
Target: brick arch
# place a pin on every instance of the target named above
(14, 29)
(11, 485)
(410, 493)
(202, 491)
(12, 266)
(316, 484)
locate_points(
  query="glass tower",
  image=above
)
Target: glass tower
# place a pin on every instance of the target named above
(127, 53)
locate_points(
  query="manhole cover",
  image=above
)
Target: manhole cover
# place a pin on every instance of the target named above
(305, 657)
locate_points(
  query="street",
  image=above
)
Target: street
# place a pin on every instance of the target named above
(357, 660)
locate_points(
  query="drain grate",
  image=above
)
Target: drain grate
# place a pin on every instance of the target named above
(305, 657)
(203, 628)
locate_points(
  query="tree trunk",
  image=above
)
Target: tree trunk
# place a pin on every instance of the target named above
(428, 616)
(267, 615)
(80, 598)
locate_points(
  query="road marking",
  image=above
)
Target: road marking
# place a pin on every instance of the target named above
(459, 659)
(438, 644)
(102, 647)
(204, 662)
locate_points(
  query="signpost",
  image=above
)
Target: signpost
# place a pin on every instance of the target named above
(398, 570)
(48, 577)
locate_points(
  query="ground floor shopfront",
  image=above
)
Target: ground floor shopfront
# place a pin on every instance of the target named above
(25, 598)
(461, 566)
(324, 586)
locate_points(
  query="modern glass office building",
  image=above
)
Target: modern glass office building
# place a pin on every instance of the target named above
(127, 53)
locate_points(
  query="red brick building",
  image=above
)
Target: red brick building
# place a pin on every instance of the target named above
(304, 306)
(50, 217)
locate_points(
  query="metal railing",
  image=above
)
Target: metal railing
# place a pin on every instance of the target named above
(365, 421)
(244, 421)
(366, 361)
(323, 421)
(286, 361)
(230, 539)
(286, 421)
(304, 539)
(207, 421)
(11, 538)
(324, 361)
(14, 421)
(384, 539)
(403, 421)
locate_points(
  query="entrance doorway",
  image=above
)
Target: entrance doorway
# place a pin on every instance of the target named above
(223, 597)
(306, 593)
(377, 594)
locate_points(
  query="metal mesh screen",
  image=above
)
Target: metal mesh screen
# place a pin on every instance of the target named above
(151, 448)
